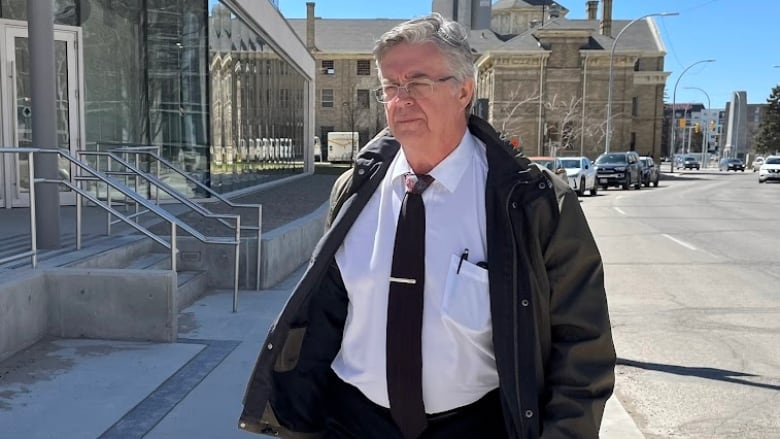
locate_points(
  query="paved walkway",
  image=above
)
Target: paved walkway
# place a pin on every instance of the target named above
(77, 388)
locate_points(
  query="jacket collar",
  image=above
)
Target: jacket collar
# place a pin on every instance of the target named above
(504, 163)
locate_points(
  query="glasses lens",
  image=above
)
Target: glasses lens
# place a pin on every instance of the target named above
(386, 93)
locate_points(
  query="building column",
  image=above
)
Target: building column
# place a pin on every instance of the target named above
(44, 120)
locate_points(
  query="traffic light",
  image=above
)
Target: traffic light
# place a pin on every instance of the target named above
(682, 123)
(697, 128)
(712, 125)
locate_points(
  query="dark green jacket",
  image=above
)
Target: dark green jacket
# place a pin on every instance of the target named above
(551, 330)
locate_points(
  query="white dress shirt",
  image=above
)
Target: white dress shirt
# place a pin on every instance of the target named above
(458, 360)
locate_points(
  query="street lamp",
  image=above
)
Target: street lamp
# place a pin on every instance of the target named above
(611, 74)
(704, 129)
(674, 112)
(735, 109)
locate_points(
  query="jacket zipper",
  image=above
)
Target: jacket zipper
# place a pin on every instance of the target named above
(514, 308)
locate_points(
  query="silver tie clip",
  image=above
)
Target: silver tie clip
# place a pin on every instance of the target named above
(403, 280)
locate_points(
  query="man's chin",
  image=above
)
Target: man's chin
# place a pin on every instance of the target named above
(410, 127)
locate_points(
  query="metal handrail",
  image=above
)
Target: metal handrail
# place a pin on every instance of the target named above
(159, 184)
(216, 195)
(152, 148)
(127, 192)
(33, 252)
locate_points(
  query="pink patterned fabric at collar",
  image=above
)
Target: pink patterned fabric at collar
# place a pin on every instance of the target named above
(417, 183)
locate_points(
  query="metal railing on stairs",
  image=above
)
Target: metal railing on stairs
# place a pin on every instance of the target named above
(163, 165)
(175, 222)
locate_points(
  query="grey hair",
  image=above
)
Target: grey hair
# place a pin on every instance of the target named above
(448, 36)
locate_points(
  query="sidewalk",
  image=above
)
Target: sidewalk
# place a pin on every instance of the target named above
(86, 389)
(76, 388)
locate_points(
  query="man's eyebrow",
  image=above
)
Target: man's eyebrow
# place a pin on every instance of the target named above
(413, 76)
(419, 75)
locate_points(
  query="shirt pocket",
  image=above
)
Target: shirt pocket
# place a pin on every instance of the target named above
(466, 300)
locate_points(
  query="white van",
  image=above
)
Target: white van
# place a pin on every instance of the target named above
(343, 146)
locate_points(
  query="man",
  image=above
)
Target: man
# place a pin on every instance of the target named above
(458, 291)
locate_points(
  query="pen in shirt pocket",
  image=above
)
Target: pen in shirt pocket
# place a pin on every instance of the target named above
(463, 257)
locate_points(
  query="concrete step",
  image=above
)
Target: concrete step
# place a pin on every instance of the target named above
(67, 255)
(192, 285)
(152, 261)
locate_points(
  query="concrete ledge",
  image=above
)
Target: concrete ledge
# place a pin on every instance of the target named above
(23, 311)
(112, 303)
(86, 303)
(284, 249)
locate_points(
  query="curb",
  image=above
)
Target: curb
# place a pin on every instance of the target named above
(617, 423)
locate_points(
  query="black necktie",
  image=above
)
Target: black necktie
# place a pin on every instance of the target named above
(405, 312)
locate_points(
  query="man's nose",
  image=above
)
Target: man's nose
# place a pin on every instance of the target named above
(405, 91)
(403, 96)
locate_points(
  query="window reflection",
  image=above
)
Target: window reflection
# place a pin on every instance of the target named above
(199, 84)
(257, 107)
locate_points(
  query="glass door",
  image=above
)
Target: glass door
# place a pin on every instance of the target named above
(17, 113)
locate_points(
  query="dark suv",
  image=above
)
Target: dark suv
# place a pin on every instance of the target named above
(619, 169)
(649, 171)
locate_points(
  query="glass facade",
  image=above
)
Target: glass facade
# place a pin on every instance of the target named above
(257, 106)
(191, 78)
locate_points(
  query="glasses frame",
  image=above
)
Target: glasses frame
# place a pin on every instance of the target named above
(379, 92)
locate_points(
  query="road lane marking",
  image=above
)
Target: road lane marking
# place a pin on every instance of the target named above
(682, 243)
(619, 210)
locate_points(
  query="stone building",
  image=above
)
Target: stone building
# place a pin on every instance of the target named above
(542, 78)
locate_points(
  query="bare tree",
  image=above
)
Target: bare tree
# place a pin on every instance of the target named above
(572, 127)
(509, 112)
(566, 126)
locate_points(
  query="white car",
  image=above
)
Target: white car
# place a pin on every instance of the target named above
(770, 170)
(757, 162)
(581, 173)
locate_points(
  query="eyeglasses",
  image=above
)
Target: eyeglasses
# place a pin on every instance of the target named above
(417, 89)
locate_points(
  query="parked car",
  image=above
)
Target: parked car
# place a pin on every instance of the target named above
(552, 163)
(649, 171)
(619, 169)
(729, 164)
(581, 173)
(687, 162)
(757, 162)
(770, 170)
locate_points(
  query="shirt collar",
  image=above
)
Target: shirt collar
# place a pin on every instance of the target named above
(450, 170)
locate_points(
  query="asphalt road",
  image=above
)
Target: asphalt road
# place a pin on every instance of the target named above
(693, 281)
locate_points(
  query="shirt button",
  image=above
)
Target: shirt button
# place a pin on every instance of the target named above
(514, 204)
(524, 302)
(361, 171)
(529, 414)
(270, 346)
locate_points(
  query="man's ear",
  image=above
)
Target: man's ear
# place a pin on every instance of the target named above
(465, 92)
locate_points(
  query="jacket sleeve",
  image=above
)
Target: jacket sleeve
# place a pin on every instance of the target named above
(337, 196)
(579, 372)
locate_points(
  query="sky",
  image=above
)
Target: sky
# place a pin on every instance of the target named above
(743, 37)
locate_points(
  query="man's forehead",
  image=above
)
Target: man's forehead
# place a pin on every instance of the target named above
(412, 61)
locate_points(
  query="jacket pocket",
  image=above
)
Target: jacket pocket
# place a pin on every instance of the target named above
(287, 359)
(466, 301)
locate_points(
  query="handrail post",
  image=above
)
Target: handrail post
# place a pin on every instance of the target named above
(78, 220)
(173, 246)
(158, 151)
(33, 235)
(259, 241)
(108, 198)
(235, 264)
(135, 185)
